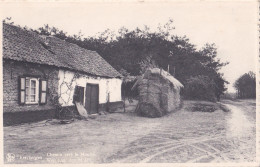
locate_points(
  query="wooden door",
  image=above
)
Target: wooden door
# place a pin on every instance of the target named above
(92, 92)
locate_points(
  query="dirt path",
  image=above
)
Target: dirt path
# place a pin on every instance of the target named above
(182, 136)
(235, 142)
(238, 124)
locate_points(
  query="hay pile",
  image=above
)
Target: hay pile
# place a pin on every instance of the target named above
(154, 87)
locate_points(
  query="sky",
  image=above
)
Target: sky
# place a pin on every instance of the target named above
(231, 25)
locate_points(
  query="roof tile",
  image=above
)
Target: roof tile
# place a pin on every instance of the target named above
(24, 45)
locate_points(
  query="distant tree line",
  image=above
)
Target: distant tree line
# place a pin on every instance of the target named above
(131, 51)
(246, 85)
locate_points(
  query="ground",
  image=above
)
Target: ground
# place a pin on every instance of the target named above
(186, 135)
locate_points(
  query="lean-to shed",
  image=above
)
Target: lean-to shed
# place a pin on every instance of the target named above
(159, 93)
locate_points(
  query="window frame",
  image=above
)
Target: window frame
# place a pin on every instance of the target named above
(36, 90)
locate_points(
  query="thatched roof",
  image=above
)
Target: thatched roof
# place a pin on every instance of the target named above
(162, 73)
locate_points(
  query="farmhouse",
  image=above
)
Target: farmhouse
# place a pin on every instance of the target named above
(40, 71)
(159, 93)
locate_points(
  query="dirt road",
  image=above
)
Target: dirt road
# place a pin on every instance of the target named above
(183, 136)
(222, 137)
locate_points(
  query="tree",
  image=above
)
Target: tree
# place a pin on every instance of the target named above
(246, 85)
(130, 50)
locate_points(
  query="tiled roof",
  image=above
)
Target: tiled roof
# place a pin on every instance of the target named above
(27, 46)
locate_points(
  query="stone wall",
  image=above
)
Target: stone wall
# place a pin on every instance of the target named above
(12, 70)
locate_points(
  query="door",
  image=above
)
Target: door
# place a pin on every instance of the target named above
(79, 95)
(92, 91)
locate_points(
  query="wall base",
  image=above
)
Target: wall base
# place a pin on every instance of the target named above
(111, 106)
(14, 118)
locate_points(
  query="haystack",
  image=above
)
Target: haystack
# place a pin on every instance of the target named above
(159, 93)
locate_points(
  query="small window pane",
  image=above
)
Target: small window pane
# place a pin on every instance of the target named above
(44, 86)
(43, 97)
(22, 97)
(33, 98)
(27, 99)
(33, 90)
(22, 83)
(33, 83)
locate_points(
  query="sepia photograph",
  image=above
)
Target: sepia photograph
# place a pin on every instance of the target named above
(127, 82)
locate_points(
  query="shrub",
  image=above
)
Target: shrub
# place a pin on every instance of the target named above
(200, 88)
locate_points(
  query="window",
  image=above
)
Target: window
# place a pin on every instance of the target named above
(32, 90)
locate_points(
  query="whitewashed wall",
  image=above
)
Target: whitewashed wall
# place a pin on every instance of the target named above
(106, 85)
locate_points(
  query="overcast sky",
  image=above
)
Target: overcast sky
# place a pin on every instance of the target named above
(232, 26)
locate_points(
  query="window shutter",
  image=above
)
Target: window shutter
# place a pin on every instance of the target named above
(21, 90)
(75, 96)
(43, 92)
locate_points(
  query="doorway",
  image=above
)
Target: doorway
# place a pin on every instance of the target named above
(92, 98)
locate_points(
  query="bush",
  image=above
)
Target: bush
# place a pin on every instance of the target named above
(200, 88)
